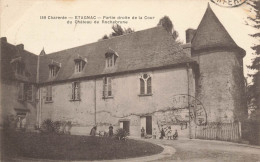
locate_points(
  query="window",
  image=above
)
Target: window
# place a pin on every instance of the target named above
(25, 92)
(109, 61)
(111, 57)
(49, 93)
(21, 91)
(107, 87)
(79, 65)
(28, 88)
(19, 68)
(53, 70)
(145, 84)
(75, 91)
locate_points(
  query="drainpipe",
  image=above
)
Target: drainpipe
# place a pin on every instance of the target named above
(39, 101)
(188, 78)
(95, 103)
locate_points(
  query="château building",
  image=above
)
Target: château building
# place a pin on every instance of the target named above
(142, 79)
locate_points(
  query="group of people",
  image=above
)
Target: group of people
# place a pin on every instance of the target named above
(93, 131)
(169, 134)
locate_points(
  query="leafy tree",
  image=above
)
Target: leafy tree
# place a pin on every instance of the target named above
(117, 31)
(253, 94)
(167, 24)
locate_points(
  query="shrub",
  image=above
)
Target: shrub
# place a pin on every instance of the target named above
(47, 126)
(121, 134)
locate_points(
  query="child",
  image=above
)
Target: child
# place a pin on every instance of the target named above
(169, 133)
(154, 133)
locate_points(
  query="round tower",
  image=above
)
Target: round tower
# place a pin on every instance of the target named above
(220, 85)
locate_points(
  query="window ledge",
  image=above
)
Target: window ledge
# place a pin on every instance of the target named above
(143, 95)
(72, 100)
(48, 101)
(108, 97)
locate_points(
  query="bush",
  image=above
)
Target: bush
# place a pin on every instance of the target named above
(121, 134)
(48, 126)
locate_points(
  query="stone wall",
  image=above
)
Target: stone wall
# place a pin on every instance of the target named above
(126, 103)
(221, 85)
(10, 102)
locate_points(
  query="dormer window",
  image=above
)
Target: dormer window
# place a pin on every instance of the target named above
(111, 57)
(79, 64)
(18, 65)
(19, 68)
(54, 68)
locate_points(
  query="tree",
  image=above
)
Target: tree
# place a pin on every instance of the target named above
(167, 24)
(253, 93)
(117, 31)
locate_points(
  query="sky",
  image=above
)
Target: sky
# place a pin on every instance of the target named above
(21, 22)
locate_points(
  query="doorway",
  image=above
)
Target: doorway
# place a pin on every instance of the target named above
(125, 125)
(149, 125)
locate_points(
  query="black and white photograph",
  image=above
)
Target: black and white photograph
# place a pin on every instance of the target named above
(130, 80)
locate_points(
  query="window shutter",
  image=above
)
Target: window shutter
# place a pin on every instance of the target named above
(33, 95)
(109, 86)
(50, 93)
(77, 85)
(73, 91)
(149, 85)
(141, 86)
(104, 87)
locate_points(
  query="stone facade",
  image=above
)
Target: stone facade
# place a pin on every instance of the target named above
(190, 85)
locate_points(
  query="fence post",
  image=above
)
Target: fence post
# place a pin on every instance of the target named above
(239, 129)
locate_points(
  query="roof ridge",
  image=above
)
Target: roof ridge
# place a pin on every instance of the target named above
(116, 37)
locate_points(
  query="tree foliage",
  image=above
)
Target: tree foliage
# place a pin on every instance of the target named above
(168, 25)
(253, 94)
(117, 31)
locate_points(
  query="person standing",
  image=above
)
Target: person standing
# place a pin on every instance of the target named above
(154, 133)
(110, 130)
(162, 134)
(142, 132)
(93, 131)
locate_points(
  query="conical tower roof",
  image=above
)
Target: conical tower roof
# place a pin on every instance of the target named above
(211, 33)
(42, 52)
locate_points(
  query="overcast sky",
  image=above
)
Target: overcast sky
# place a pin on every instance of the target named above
(21, 23)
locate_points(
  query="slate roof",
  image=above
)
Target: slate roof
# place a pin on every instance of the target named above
(11, 53)
(211, 33)
(144, 49)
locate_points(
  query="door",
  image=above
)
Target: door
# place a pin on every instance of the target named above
(149, 125)
(126, 125)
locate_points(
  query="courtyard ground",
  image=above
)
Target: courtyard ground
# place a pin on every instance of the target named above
(186, 150)
(209, 151)
(72, 147)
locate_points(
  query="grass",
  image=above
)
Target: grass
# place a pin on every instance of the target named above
(72, 147)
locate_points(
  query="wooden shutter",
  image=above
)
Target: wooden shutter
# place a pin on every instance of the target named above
(141, 86)
(109, 86)
(77, 91)
(73, 91)
(104, 87)
(149, 85)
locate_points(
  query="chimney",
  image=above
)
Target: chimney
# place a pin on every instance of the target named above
(190, 34)
(3, 39)
(20, 46)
